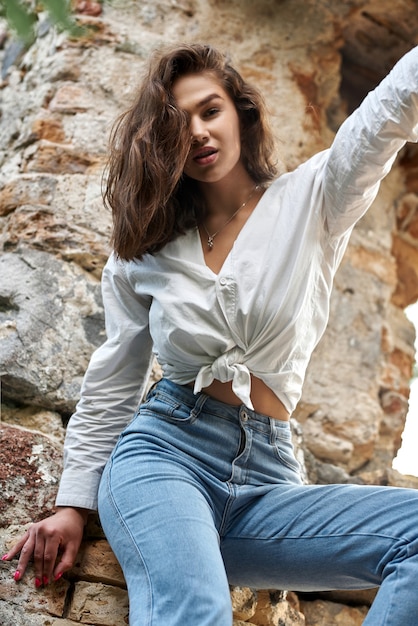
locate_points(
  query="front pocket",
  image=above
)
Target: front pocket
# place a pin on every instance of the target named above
(164, 406)
(284, 449)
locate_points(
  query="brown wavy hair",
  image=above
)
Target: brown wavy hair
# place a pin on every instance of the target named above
(151, 199)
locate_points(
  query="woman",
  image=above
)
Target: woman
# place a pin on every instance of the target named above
(224, 272)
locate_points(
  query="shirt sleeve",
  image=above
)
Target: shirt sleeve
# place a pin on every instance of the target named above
(367, 144)
(112, 388)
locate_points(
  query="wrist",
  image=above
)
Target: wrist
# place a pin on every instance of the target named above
(82, 513)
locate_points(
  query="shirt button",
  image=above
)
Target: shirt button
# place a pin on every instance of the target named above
(223, 282)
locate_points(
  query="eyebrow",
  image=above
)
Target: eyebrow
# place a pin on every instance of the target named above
(209, 98)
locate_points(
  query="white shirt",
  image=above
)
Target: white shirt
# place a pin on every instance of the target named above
(267, 308)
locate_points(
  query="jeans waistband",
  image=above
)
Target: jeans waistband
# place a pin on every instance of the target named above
(185, 395)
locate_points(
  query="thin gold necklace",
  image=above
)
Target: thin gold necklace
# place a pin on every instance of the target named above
(212, 237)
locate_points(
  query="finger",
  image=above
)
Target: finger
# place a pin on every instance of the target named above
(25, 546)
(67, 560)
(38, 559)
(15, 548)
(50, 555)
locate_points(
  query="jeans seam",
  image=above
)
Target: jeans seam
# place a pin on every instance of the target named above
(127, 532)
(231, 498)
(320, 536)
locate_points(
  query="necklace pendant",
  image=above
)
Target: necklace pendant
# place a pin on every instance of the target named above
(212, 237)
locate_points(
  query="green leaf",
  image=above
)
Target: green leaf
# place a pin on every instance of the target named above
(21, 19)
(60, 13)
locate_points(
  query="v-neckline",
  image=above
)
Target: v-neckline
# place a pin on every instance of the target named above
(236, 240)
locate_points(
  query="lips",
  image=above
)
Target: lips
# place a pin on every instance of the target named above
(204, 155)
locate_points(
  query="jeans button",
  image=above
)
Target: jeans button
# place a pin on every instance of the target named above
(244, 416)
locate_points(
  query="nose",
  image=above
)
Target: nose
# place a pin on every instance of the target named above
(198, 130)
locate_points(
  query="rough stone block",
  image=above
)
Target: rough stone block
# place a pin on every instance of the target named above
(99, 604)
(12, 615)
(97, 563)
(322, 613)
(244, 602)
(30, 463)
(273, 609)
(24, 595)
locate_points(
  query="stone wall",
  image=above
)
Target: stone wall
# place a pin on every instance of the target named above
(314, 60)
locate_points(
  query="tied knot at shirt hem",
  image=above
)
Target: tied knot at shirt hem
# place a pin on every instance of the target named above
(228, 367)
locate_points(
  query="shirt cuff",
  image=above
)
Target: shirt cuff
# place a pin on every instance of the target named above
(78, 489)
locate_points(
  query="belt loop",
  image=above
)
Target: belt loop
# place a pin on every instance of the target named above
(272, 431)
(197, 409)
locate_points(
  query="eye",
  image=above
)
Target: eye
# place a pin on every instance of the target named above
(211, 112)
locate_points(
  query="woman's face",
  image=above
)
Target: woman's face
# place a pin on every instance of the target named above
(214, 127)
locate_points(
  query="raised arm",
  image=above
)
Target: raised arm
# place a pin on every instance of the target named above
(368, 142)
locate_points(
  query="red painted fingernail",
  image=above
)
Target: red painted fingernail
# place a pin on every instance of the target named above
(58, 576)
(38, 583)
(16, 575)
(4, 557)
(45, 580)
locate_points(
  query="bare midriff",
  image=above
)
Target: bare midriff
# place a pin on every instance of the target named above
(262, 397)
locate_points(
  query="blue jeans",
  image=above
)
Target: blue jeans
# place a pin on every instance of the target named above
(199, 494)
